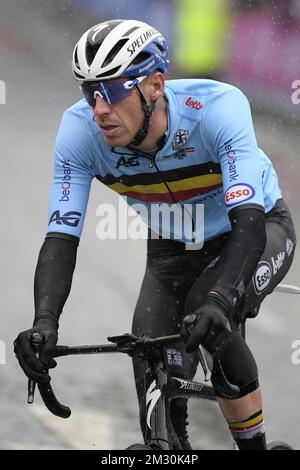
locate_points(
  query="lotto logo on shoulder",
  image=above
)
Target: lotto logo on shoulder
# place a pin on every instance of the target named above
(194, 103)
(238, 193)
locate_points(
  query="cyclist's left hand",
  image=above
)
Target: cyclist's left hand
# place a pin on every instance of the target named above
(208, 326)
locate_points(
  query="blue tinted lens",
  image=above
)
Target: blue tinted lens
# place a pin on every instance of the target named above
(111, 91)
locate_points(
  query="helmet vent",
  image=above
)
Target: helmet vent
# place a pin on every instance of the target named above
(78, 76)
(76, 58)
(130, 31)
(90, 52)
(159, 47)
(110, 72)
(112, 54)
(141, 57)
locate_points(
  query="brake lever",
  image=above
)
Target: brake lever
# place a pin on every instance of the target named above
(36, 341)
(46, 391)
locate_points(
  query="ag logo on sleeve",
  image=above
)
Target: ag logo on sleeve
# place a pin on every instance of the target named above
(71, 218)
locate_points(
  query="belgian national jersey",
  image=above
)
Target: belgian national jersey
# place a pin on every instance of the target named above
(209, 163)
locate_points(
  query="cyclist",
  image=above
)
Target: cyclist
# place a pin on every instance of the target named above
(184, 143)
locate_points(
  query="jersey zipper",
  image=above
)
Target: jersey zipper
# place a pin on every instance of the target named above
(152, 164)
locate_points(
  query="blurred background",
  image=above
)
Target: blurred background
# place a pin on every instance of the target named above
(252, 44)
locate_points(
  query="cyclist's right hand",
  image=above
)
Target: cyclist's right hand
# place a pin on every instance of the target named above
(34, 367)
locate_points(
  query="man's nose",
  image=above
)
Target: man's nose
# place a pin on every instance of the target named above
(101, 107)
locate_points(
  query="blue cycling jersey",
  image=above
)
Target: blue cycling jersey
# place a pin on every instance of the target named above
(209, 159)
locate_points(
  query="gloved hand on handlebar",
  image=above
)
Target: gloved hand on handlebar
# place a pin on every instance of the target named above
(35, 367)
(207, 326)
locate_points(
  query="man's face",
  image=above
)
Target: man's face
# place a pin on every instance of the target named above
(121, 121)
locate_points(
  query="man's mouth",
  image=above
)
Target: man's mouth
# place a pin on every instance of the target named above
(111, 126)
(109, 130)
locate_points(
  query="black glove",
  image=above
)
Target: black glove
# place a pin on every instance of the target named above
(208, 326)
(37, 368)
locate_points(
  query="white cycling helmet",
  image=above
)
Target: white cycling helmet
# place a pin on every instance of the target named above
(119, 48)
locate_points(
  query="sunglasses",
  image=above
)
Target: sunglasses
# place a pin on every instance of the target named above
(112, 91)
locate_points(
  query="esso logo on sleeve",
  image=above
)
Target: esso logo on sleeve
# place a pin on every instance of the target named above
(238, 193)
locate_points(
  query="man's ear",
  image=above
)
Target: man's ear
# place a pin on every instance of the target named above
(157, 85)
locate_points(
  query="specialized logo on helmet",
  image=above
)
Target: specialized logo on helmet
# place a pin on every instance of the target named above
(141, 40)
(238, 193)
(194, 103)
(262, 277)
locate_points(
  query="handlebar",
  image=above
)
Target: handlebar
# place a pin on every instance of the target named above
(132, 345)
(135, 346)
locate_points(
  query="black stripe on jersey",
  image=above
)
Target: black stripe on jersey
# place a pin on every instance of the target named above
(209, 168)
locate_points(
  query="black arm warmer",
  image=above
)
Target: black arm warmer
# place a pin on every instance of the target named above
(240, 255)
(53, 275)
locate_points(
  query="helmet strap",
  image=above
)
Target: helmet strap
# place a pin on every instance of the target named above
(148, 110)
